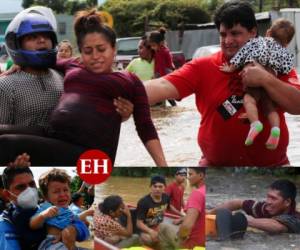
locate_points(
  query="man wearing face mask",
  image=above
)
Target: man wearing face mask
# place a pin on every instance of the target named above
(20, 189)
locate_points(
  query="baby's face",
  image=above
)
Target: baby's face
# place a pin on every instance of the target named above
(59, 194)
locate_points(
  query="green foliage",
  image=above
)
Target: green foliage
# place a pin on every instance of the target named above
(143, 172)
(134, 17)
(59, 6)
(27, 3)
(75, 184)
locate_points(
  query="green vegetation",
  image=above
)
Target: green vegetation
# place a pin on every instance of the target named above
(142, 171)
(135, 17)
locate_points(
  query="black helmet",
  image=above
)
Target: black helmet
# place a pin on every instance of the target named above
(33, 20)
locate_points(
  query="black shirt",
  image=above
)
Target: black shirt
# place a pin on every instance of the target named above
(151, 212)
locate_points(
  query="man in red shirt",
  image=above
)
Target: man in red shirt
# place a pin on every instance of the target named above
(175, 191)
(219, 95)
(191, 231)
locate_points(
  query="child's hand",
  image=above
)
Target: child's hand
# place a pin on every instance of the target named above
(225, 67)
(50, 212)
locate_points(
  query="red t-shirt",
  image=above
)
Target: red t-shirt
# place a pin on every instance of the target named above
(175, 193)
(222, 141)
(197, 200)
(163, 61)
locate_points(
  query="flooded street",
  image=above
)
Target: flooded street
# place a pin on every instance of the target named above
(224, 185)
(177, 128)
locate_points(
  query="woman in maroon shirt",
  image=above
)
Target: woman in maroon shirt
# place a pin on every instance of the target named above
(86, 114)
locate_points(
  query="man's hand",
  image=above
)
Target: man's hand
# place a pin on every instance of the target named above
(177, 221)
(254, 75)
(21, 161)
(123, 107)
(154, 235)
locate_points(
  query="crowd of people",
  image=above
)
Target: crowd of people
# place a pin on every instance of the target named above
(51, 217)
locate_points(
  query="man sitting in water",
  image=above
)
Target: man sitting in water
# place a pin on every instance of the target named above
(277, 214)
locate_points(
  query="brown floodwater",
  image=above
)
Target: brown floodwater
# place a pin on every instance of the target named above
(131, 189)
(177, 128)
(223, 185)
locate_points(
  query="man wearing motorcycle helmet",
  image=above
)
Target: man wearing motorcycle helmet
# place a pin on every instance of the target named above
(28, 97)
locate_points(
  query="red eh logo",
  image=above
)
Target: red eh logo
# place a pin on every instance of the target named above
(94, 166)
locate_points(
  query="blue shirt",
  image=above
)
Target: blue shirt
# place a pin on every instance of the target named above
(75, 209)
(64, 218)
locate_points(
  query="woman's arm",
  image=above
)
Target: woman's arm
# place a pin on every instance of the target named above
(144, 124)
(127, 232)
(155, 150)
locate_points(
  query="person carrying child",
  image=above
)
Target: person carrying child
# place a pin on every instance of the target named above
(271, 52)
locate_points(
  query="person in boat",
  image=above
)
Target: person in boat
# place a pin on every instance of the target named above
(276, 214)
(20, 189)
(28, 97)
(191, 230)
(175, 190)
(150, 211)
(108, 228)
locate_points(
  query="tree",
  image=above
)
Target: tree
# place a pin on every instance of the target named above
(135, 16)
(27, 3)
(59, 6)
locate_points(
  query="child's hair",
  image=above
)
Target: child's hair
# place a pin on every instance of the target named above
(68, 43)
(76, 197)
(54, 174)
(9, 174)
(110, 204)
(90, 21)
(282, 30)
(157, 36)
(145, 42)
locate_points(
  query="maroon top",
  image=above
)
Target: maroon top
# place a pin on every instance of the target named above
(257, 209)
(86, 114)
(163, 61)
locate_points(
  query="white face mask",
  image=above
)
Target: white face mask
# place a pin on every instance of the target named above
(28, 198)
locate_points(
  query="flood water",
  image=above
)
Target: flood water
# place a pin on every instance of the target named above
(223, 186)
(131, 189)
(177, 128)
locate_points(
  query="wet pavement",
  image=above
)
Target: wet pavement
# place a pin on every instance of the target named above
(223, 185)
(177, 128)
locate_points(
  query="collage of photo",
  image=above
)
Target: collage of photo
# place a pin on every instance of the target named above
(150, 208)
(149, 125)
